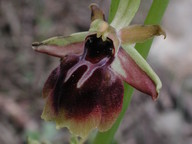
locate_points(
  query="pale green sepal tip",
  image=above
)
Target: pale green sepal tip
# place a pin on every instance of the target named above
(141, 62)
(63, 41)
(125, 13)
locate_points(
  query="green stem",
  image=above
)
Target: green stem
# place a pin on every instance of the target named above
(113, 10)
(155, 15)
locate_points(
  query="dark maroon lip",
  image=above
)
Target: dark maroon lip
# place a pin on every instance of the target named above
(84, 85)
(79, 102)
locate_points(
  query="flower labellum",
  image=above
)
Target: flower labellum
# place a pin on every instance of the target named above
(86, 90)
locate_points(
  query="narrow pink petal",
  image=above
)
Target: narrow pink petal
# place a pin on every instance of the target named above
(131, 73)
(61, 46)
(60, 51)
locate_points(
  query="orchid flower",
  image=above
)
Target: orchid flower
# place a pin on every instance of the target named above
(86, 90)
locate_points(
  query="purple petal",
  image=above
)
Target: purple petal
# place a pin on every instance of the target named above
(131, 73)
(60, 51)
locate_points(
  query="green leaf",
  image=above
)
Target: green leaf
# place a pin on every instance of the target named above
(113, 9)
(125, 13)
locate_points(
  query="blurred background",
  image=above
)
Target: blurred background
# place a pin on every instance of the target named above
(23, 72)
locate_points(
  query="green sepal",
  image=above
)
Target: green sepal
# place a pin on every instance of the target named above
(125, 13)
(64, 40)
